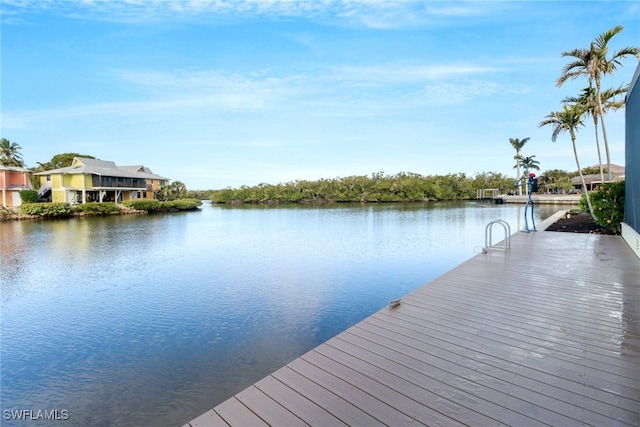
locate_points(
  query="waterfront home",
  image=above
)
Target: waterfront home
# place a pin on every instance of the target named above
(594, 180)
(13, 179)
(631, 224)
(94, 180)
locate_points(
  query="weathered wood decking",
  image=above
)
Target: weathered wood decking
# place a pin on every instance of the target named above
(545, 334)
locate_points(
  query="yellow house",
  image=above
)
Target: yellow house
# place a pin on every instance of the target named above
(94, 180)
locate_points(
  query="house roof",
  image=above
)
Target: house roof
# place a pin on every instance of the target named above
(83, 165)
(136, 168)
(617, 174)
(614, 168)
(140, 169)
(13, 169)
(595, 178)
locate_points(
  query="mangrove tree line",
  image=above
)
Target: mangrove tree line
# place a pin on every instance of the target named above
(379, 187)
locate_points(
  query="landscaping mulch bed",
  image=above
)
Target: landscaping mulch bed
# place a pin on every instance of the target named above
(580, 223)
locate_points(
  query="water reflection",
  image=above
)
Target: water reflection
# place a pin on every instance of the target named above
(151, 320)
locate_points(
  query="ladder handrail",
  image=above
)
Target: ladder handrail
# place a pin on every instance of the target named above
(488, 244)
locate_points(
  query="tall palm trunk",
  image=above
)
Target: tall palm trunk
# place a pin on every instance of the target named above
(604, 129)
(518, 171)
(518, 143)
(595, 125)
(606, 148)
(584, 184)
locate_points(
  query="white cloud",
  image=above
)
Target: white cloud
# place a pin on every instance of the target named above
(336, 92)
(401, 73)
(459, 92)
(364, 13)
(214, 80)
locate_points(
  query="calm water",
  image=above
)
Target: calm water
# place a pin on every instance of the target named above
(152, 320)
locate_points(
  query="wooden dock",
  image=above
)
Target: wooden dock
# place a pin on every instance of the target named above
(547, 333)
(544, 199)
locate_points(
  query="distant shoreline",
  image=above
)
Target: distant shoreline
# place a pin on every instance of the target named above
(550, 199)
(40, 211)
(14, 214)
(547, 199)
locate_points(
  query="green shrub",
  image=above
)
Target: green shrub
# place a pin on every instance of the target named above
(158, 206)
(608, 204)
(143, 205)
(29, 196)
(182, 204)
(107, 208)
(5, 214)
(46, 209)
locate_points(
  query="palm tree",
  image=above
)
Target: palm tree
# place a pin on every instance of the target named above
(178, 189)
(568, 120)
(588, 100)
(518, 144)
(555, 179)
(593, 63)
(10, 153)
(527, 162)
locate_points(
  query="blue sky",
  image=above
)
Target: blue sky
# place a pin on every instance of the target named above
(227, 93)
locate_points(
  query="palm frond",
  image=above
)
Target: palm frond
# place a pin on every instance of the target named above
(603, 39)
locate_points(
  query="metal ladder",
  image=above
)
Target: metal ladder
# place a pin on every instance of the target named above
(488, 243)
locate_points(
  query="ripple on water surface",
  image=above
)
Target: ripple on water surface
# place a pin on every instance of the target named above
(151, 320)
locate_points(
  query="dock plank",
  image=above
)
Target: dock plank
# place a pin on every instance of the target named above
(208, 419)
(296, 403)
(340, 408)
(451, 368)
(569, 375)
(412, 410)
(268, 409)
(521, 336)
(521, 317)
(457, 401)
(378, 409)
(235, 413)
(547, 333)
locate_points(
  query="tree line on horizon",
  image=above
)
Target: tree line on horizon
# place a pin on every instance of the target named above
(381, 187)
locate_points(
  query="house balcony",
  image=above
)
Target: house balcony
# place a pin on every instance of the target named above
(105, 183)
(120, 187)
